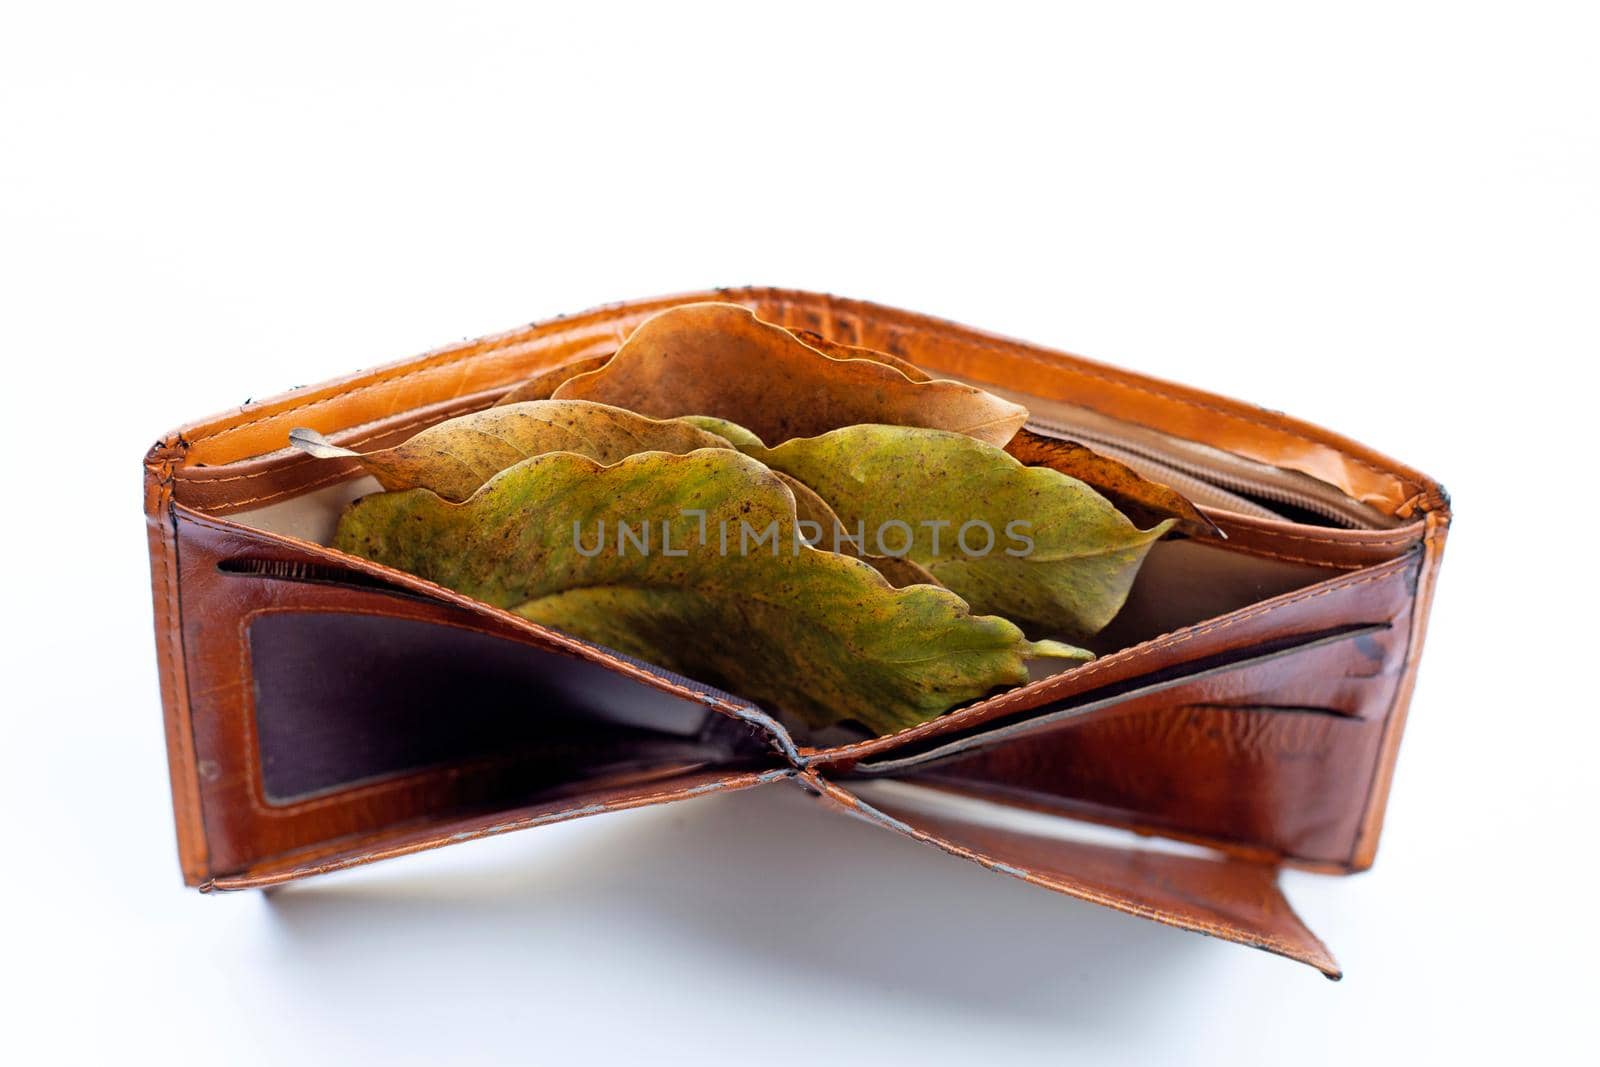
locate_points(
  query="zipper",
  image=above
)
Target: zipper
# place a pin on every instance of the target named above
(1195, 486)
(1208, 476)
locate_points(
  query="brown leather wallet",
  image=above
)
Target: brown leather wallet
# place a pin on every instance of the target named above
(323, 711)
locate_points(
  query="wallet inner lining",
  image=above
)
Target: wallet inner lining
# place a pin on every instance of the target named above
(348, 699)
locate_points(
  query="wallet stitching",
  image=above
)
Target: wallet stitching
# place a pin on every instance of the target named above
(194, 475)
(1375, 541)
(1419, 610)
(172, 635)
(498, 345)
(1346, 565)
(329, 479)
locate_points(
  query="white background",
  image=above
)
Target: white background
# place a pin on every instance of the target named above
(1381, 218)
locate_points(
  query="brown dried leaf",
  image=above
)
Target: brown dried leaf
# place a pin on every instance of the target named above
(720, 360)
(1144, 501)
(542, 386)
(835, 350)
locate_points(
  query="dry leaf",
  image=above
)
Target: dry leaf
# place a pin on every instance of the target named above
(827, 532)
(811, 633)
(1039, 546)
(1142, 500)
(719, 359)
(542, 386)
(836, 350)
(455, 457)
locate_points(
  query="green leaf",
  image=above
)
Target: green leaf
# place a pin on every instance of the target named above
(1068, 566)
(811, 508)
(807, 632)
(455, 457)
(719, 359)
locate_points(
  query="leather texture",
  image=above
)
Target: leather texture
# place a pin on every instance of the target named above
(1230, 898)
(1263, 726)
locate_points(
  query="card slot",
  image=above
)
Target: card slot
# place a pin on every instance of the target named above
(302, 571)
(355, 722)
(1106, 700)
(346, 700)
(1260, 780)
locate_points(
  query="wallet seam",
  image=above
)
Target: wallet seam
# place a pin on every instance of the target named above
(1399, 536)
(197, 475)
(328, 479)
(193, 844)
(1343, 565)
(1375, 807)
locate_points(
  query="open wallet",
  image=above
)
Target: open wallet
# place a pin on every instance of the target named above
(1247, 703)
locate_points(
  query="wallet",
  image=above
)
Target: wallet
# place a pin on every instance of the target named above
(1243, 712)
